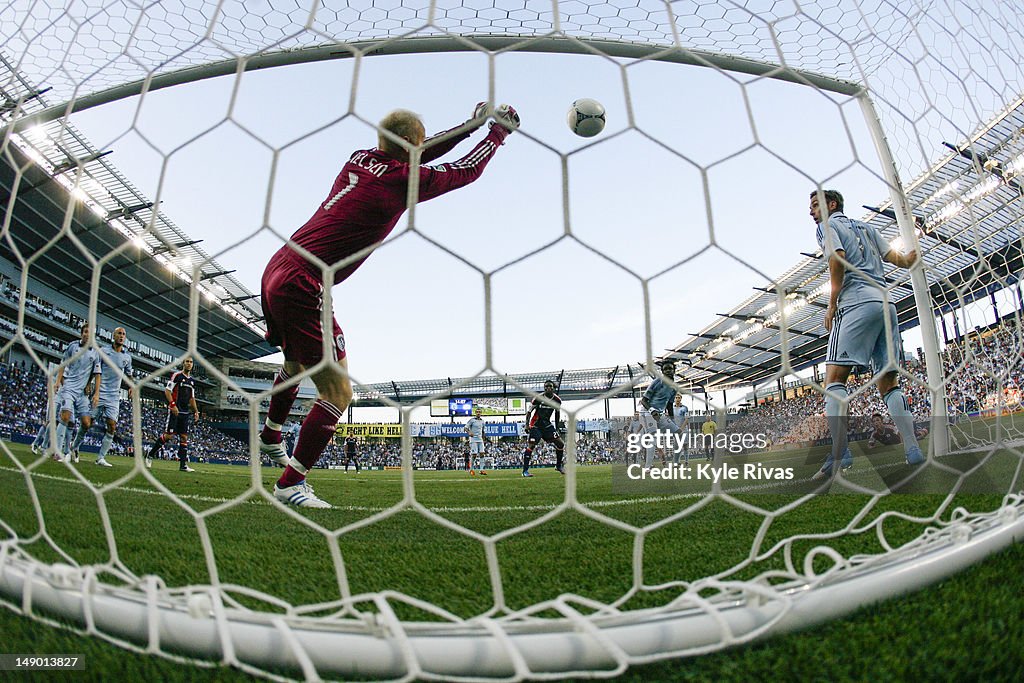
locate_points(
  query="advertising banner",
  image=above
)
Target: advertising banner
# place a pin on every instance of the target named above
(370, 431)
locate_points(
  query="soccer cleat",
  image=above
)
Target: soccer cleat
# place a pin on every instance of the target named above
(74, 456)
(149, 463)
(274, 451)
(526, 473)
(846, 464)
(36, 450)
(915, 456)
(822, 473)
(186, 468)
(102, 462)
(301, 495)
(559, 470)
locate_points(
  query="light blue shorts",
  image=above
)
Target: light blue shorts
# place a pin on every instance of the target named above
(858, 337)
(75, 402)
(107, 410)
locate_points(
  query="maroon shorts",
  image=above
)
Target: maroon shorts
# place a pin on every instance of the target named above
(293, 302)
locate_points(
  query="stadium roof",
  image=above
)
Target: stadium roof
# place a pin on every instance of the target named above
(969, 225)
(621, 381)
(147, 261)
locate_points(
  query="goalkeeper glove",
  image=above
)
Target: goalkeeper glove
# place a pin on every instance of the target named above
(480, 113)
(506, 115)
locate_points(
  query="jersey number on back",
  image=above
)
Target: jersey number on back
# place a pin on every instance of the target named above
(352, 180)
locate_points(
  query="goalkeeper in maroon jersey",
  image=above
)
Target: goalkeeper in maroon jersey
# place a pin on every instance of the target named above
(368, 197)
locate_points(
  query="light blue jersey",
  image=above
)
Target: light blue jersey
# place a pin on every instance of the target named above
(475, 428)
(77, 372)
(864, 249)
(659, 395)
(110, 378)
(680, 415)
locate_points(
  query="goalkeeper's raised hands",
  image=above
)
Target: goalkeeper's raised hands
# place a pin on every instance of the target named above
(506, 115)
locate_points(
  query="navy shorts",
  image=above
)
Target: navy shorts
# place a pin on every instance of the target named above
(546, 432)
(178, 424)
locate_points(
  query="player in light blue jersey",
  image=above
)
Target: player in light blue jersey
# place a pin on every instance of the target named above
(475, 430)
(290, 434)
(42, 440)
(681, 418)
(116, 368)
(657, 411)
(855, 320)
(79, 365)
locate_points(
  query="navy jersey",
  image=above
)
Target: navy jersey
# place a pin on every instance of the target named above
(183, 390)
(542, 411)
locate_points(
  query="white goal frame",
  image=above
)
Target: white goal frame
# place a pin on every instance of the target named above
(197, 621)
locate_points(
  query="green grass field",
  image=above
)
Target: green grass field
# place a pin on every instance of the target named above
(254, 544)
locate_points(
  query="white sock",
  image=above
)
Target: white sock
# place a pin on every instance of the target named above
(108, 439)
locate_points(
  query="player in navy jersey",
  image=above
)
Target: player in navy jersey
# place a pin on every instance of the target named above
(116, 368)
(540, 426)
(855, 320)
(365, 203)
(182, 409)
(351, 453)
(78, 368)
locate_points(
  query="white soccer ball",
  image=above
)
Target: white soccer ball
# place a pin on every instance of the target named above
(586, 117)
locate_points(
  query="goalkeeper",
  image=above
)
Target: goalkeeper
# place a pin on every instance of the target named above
(369, 196)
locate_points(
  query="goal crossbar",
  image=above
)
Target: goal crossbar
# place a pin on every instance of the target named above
(442, 44)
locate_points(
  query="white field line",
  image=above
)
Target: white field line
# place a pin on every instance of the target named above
(456, 509)
(445, 509)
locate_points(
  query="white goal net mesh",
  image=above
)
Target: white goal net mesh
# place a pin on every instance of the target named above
(808, 95)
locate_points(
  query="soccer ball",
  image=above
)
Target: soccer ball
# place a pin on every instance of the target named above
(586, 117)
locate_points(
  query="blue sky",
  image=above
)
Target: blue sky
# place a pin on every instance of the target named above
(638, 202)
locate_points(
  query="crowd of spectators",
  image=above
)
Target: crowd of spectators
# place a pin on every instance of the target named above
(984, 372)
(447, 454)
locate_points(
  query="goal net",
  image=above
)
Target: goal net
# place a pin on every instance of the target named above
(723, 118)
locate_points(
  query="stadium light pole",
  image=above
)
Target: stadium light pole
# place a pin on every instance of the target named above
(922, 296)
